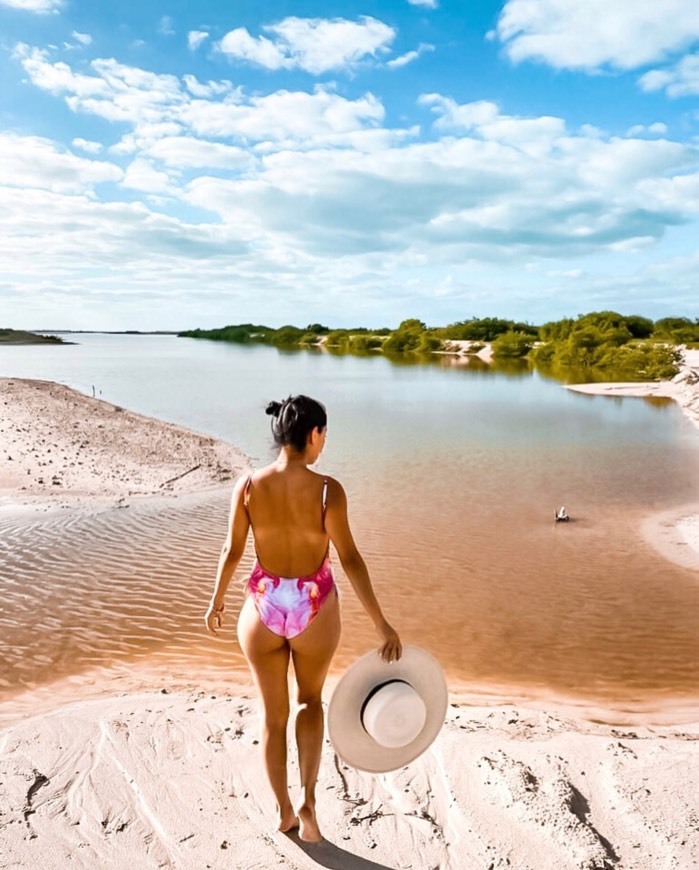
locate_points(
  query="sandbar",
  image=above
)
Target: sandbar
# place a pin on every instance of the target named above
(60, 447)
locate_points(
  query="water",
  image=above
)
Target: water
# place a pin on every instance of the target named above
(453, 474)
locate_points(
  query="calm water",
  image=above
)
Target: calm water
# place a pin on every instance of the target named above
(453, 474)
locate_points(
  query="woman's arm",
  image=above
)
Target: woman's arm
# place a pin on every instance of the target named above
(231, 554)
(337, 526)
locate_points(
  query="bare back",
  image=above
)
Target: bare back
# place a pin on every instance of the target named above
(285, 507)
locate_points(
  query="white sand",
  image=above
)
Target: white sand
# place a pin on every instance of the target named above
(174, 780)
(57, 444)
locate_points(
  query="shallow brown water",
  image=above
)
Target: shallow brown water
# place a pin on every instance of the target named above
(453, 479)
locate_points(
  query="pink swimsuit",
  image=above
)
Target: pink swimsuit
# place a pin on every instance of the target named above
(288, 605)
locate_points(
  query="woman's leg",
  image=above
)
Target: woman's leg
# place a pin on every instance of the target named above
(312, 651)
(268, 657)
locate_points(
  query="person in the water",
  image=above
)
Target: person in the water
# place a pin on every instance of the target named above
(291, 610)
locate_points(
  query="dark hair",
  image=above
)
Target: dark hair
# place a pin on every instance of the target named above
(294, 419)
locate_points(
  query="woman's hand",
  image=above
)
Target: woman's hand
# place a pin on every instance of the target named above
(214, 617)
(391, 648)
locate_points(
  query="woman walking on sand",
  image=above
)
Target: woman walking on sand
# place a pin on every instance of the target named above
(291, 609)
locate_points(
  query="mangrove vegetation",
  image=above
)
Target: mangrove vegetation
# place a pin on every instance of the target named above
(599, 345)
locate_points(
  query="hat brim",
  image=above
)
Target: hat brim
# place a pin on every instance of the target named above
(347, 734)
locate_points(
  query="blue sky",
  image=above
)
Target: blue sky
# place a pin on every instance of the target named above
(166, 165)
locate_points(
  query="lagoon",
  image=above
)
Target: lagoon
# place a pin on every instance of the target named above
(453, 474)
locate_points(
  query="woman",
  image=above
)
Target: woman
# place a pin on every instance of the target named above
(291, 609)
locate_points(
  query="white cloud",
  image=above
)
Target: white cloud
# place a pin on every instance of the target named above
(34, 5)
(313, 190)
(34, 162)
(145, 100)
(82, 38)
(533, 135)
(88, 145)
(681, 80)
(283, 115)
(187, 151)
(142, 175)
(657, 129)
(315, 45)
(195, 38)
(409, 56)
(57, 77)
(428, 4)
(502, 193)
(208, 89)
(569, 34)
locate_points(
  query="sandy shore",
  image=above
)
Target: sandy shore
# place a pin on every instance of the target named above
(60, 446)
(675, 533)
(683, 388)
(174, 780)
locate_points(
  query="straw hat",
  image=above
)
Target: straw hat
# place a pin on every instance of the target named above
(383, 715)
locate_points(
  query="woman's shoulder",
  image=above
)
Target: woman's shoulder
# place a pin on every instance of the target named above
(334, 489)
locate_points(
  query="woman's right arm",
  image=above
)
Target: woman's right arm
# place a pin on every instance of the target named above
(338, 528)
(232, 552)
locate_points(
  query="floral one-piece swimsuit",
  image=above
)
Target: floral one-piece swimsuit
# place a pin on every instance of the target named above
(288, 605)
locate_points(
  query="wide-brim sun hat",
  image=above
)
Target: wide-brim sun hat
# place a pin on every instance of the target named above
(383, 715)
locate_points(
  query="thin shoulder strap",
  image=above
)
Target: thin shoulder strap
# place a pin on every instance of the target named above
(325, 496)
(246, 492)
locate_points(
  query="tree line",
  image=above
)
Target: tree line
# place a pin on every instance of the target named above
(631, 345)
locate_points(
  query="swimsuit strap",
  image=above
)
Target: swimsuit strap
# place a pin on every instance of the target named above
(325, 496)
(246, 492)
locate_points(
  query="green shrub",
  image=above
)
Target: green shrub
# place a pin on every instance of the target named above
(512, 345)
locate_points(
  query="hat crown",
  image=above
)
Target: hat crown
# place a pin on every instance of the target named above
(394, 714)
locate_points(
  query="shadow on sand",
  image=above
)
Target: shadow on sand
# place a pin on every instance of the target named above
(327, 854)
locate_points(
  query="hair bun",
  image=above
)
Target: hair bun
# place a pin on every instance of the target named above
(273, 409)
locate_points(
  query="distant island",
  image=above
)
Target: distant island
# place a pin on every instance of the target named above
(21, 336)
(599, 343)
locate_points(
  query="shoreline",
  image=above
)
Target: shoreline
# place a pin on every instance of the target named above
(61, 448)
(683, 388)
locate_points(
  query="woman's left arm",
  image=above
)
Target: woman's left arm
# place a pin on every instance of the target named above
(231, 554)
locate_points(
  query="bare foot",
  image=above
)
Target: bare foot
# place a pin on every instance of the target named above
(287, 820)
(309, 831)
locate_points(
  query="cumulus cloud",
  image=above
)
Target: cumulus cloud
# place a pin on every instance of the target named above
(315, 45)
(427, 4)
(532, 135)
(568, 34)
(143, 99)
(142, 175)
(657, 129)
(680, 80)
(503, 191)
(195, 38)
(187, 151)
(88, 145)
(314, 189)
(409, 56)
(40, 6)
(36, 162)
